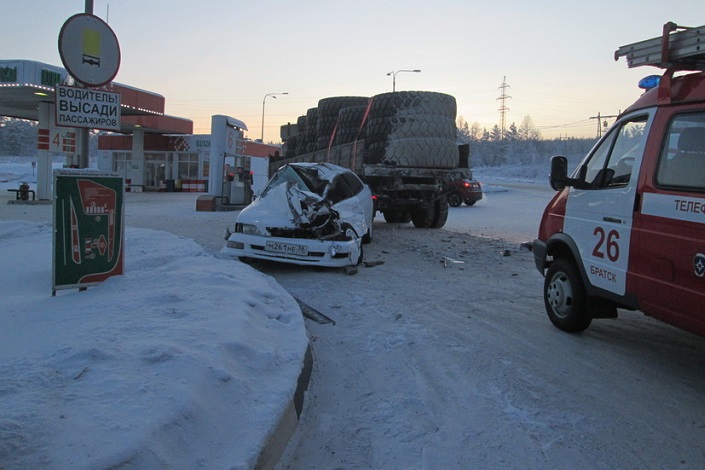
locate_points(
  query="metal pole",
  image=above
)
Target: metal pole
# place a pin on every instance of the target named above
(394, 77)
(273, 95)
(85, 132)
(263, 100)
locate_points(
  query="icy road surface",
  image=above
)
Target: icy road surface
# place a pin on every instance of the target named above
(444, 365)
(458, 367)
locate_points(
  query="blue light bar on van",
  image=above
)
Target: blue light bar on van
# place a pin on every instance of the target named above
(647, 83)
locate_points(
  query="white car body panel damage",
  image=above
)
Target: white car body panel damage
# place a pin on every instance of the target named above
(308, 214)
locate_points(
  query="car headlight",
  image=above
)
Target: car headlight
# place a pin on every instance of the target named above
(247, 229)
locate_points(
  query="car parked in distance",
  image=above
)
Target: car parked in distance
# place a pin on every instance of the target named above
(466, 191)
(307, 214)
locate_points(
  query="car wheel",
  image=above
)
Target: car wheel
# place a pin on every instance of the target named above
(564, 297)
(469, 202)
(454, 199)
(350, 234)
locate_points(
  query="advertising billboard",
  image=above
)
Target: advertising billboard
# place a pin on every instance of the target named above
(88, 228)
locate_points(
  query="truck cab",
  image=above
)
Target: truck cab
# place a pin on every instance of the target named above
(627, 228)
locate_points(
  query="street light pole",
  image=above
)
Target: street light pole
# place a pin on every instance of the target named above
(394, 77)
(273, 95)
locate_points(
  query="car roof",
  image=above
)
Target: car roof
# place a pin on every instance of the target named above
(326, 170)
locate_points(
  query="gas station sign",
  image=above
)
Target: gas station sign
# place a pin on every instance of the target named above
(88, 228)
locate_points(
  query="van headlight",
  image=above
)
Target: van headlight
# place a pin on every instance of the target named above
(247, 229)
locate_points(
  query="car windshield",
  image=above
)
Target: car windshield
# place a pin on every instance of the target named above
(305, 178)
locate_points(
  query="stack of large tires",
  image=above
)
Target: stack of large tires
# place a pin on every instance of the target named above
(328, 109)
(349, 122)
(310, 134)
(291, 145)
(412, 129)
(301, 141)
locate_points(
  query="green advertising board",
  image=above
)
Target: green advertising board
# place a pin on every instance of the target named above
(88, 228)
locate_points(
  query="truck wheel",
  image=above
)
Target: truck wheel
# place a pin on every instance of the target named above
(392, 216)
(564, 297)
(440, 215)
(422, 217)
(454, 199)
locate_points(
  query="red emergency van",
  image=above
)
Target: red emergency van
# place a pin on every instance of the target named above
(627, 228)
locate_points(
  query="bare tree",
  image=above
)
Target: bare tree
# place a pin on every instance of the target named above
(527, 130)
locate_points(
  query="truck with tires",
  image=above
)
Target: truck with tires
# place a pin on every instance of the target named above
(401, 144)
(627, 228)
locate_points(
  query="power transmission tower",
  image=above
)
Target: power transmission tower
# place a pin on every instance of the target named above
(503, 97)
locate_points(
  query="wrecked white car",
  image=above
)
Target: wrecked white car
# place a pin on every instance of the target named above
(307, 214)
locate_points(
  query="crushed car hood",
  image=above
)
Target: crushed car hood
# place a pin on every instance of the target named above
(285, 206)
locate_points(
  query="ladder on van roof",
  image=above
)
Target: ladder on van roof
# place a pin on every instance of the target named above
(679, 47)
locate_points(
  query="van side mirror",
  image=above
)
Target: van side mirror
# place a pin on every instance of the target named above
(559, 172)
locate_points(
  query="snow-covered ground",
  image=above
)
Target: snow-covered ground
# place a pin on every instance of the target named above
(440, 357)
(186, 361)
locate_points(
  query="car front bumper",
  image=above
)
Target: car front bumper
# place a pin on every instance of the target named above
(299, 251)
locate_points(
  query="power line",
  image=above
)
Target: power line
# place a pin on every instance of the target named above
(599, 118)
(580, 123)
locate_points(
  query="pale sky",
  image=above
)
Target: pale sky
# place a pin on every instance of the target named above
(223, 56)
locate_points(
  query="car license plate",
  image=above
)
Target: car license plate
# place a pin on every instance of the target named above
(286, 248)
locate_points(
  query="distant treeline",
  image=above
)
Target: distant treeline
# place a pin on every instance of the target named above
(18, 138)
(521, 145)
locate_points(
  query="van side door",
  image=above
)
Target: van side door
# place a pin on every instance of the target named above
(600, 207)
(669, 250)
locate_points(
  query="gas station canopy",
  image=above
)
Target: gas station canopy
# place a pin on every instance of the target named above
(24, 84)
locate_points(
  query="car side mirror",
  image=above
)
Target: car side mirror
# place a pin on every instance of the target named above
(559, 172)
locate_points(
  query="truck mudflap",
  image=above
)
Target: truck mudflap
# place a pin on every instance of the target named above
(538, 248)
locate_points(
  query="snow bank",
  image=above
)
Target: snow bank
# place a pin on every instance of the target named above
(185, 361)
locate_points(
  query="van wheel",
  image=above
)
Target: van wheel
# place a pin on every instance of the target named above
(564, 297)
